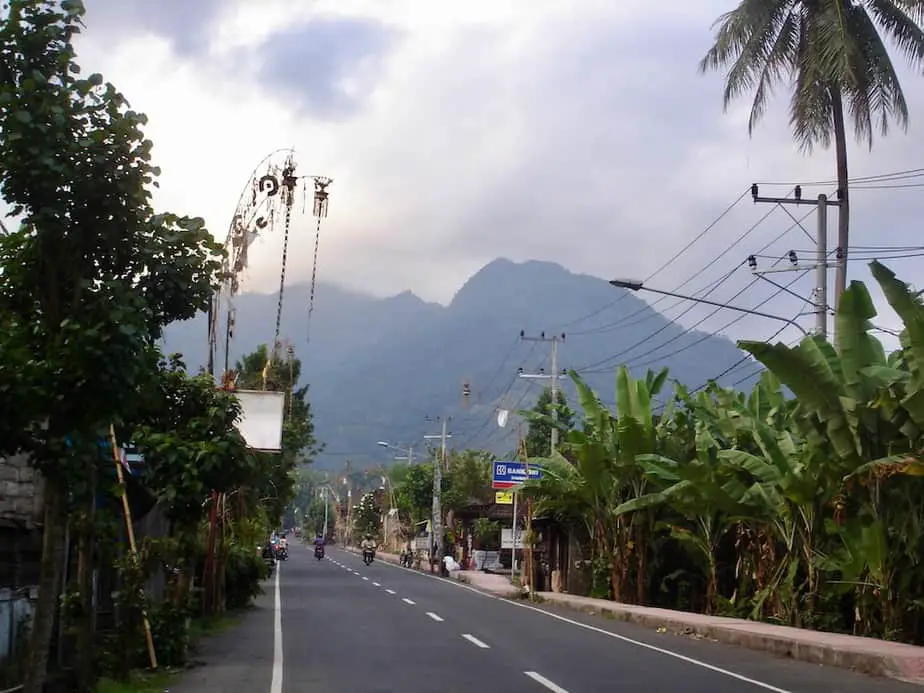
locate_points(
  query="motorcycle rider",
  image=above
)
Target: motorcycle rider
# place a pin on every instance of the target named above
(368, 545)
(319, 540)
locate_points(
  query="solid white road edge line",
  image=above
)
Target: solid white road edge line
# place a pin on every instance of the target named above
(615, 636)
(436, 618)
(475, 641)
(539, 678)
(407, 601)
(276, 683)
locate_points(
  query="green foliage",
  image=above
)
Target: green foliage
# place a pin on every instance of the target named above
(487, 534)
(185, 428)
(541, 422)
(415, 493)
(468, 480)
(804, 511)
(90, 278)
(92, 274)
(243, 573)
(367, 515)
(829, 50)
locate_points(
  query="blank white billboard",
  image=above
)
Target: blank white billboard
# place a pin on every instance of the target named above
(261, 419)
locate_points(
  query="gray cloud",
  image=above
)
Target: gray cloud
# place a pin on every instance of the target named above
(314, 61)
(185, 23)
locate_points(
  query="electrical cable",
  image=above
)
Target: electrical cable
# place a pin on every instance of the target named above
(671, 322)
(506, 391)
(624, 321)
(671, 261)
(907, 173)
(783, 288)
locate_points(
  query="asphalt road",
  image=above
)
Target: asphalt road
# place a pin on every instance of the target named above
(348, 628)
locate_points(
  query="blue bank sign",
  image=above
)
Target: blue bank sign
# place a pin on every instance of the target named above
(513, 474)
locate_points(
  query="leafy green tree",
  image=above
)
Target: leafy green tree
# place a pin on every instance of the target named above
(367, 516)
(186, 431)
(468, 479)
(414, 493)
(91, 275)
(836, 54)
(539, 435)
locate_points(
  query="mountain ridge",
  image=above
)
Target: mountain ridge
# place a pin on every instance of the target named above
(378, 367)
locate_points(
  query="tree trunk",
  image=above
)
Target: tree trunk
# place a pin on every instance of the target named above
(843, 215)
(85, 562)
(641, 566)
(712, 583)
(46, 608)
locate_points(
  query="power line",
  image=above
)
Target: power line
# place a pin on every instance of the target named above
(721, 329)
(906, 173)
(670, 261)
(672, 322)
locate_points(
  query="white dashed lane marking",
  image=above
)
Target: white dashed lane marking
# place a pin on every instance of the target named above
(390, 591)
(407, 601)
(475, 641)
(539, 678)
(436, 618)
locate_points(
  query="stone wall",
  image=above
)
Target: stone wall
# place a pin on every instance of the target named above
(20, 493)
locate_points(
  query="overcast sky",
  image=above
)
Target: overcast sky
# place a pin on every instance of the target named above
(577, 131)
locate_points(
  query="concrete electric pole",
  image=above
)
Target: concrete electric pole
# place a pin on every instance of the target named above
(436, 520)
(554, 340)
(821, 255)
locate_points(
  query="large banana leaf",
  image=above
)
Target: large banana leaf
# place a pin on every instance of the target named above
(813, 374)
(907, 304)
(635, 425)
(857, 347)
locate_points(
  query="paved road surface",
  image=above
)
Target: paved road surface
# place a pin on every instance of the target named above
(347, 628)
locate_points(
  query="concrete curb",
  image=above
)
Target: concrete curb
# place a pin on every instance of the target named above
(508, 591)
(865, 655)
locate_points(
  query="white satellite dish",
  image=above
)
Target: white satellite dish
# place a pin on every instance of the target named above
(502, 415)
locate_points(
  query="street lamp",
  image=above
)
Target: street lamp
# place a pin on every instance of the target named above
(636, 285)
(408, 451)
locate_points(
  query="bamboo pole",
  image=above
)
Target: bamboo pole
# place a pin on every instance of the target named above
(130, 529)
(528, 557)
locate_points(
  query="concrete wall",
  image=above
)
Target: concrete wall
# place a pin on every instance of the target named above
(20, 493)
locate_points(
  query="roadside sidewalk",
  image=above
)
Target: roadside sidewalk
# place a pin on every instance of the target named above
(865, 655)
(239, 660)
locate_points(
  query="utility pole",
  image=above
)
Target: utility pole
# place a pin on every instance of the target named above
(821, 255)
(554, 340)
(436, 520)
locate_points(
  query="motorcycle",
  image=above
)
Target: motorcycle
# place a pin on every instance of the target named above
(269, 560)
(407, 559)
(319, 552)
(282, 553)
(368, 556)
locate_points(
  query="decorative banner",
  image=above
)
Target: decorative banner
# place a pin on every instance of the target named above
(503, 497)
(261, 419)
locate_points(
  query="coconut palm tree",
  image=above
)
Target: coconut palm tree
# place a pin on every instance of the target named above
(835, 52)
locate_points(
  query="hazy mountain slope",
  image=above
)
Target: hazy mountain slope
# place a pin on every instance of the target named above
(378, 367)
